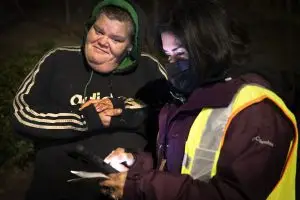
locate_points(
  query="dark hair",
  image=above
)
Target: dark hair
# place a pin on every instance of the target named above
(214, 41)
(116, 13)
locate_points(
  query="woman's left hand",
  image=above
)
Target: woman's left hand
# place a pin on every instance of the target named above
(116, 184)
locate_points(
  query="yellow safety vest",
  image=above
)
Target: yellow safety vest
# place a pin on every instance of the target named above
(206, 138)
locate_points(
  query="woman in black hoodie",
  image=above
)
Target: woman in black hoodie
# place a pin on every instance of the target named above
(110, 70)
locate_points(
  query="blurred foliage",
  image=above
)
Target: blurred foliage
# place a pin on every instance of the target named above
(13, 150)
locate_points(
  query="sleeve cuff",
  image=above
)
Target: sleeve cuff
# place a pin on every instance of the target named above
(143, 164)
(92, 118)
(133, 178)
(118, 103)
(130, 118)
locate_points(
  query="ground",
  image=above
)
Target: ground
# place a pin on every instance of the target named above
(14, 183)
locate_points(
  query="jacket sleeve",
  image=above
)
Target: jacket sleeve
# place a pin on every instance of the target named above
(247, 168)
(143, 163)
(35, 114)
(134, 114)
(155, 94)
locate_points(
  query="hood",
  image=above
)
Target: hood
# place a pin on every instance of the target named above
(280, 80)
(130, 60)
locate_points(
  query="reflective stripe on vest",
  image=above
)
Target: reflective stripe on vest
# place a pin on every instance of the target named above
(208, 131)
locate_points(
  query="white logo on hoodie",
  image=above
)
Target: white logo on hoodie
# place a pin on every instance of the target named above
(78, 99)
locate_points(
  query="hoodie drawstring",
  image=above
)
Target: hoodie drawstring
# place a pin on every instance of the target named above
(87, 84)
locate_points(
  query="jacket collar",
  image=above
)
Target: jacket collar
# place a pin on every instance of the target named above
(220, 94)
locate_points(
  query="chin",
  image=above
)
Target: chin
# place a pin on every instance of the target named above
(102, 68)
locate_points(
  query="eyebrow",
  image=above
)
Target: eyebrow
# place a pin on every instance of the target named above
(118, 37)
(176, 48)
(97, 27)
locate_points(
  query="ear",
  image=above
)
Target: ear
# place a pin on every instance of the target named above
(129, 48)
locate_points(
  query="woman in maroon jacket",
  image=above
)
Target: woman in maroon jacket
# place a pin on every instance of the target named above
(208, 57)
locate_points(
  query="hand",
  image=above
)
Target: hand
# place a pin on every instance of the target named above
(117, 157)
(105, 109)
(100, 104)
(105, 116)
(114, 186)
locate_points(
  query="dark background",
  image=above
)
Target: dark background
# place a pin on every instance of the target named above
(28, 28)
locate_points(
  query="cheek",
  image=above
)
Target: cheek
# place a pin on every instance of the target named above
(118, 50)
(91, 37)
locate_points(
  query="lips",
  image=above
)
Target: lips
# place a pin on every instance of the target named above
(98, 49)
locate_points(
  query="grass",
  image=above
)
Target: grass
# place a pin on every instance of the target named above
(14, 68)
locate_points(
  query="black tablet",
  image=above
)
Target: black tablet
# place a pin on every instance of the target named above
(82, 154)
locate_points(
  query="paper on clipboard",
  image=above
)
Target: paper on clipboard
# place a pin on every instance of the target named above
(87, 175)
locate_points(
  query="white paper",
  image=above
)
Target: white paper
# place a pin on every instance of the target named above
(87, 175)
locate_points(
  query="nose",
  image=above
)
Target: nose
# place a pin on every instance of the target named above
(172, 58)
(103, 40)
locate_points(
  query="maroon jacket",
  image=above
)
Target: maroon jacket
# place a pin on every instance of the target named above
(247, 169)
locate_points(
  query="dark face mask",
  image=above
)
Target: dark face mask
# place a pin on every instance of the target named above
(181, 77)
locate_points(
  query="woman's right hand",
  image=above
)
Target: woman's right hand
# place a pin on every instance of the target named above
(118, 157)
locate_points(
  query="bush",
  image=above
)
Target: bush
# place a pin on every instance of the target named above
(14, 151)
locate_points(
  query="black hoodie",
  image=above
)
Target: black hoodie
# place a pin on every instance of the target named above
(46, 110)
